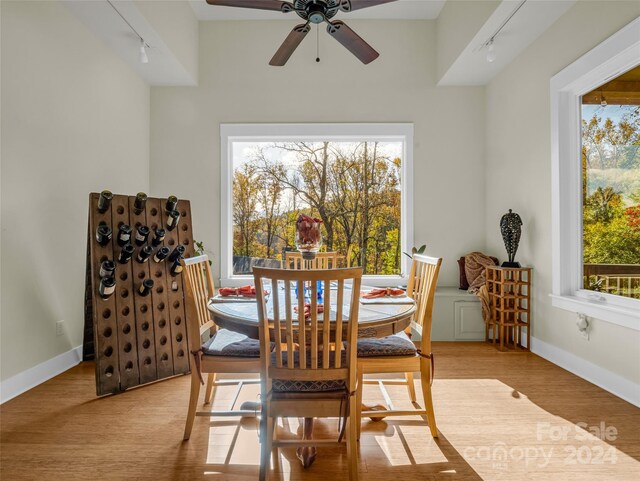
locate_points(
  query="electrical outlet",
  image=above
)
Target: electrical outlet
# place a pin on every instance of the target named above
(59, 328)
(585, 335)
(583, 326)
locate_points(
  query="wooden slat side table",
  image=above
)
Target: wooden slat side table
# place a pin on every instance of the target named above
(509, 292)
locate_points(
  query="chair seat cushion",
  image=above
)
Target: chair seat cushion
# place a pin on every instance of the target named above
(398, 344)
(230, 343)
(288, 385)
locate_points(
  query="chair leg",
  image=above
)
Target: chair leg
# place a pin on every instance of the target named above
(352, 438)
(193, 403)
(357, 414)
(211, 379)
(410, 386)
(266, 446)
(425, 382)
(274, 449)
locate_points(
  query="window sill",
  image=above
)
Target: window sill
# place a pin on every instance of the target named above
(629, 318)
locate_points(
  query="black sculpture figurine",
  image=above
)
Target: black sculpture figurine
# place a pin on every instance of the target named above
(510, 226)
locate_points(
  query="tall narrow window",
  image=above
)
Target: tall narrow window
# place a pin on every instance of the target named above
(595, 180)
(611, 186)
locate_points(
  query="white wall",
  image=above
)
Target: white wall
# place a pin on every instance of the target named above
(519, 175)
(75, 119)
(237, 85)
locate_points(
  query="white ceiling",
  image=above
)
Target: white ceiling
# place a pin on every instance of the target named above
(469, 68)
(400, 10)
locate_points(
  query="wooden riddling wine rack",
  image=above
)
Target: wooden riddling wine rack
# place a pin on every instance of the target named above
(136, 339)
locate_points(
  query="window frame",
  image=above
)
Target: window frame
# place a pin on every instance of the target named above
(230, 133)
(614, 56)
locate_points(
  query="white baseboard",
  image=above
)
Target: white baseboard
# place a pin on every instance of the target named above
(16, 385)
(607, 380)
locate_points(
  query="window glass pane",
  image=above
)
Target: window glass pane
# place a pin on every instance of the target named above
(353, 187)
(611, 186)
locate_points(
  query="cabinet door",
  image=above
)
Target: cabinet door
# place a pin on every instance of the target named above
(469, 325)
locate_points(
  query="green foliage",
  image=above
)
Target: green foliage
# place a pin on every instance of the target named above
(416, 250)
(611, 190)
(199, 249)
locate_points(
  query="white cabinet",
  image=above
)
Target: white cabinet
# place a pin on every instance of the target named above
(457, 316)
(468, 322)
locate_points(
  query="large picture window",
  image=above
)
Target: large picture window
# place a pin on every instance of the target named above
(352, 177)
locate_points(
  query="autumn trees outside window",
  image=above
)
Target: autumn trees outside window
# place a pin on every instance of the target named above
(355, 185)
(611, 187)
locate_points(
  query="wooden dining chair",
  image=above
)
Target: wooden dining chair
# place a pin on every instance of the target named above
(222, 351)
(319, 378)
(322, 260)
(398, 354)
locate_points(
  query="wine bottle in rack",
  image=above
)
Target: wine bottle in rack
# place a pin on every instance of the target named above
(107, 268)
(158, 237)
(107, 286)
(139, 203)
(177, 253)
(124, 234)
(142, 234)
(104, 201)
(103, 234)
(145, 288)
(144, 254)
(172, 219)
(126, 253)
(161, 254)
(176, 267)
(172, 203)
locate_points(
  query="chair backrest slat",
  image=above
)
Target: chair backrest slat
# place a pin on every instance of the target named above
(302, 337)
(199, 288)
(322, 260)
(318, 337)
(277, 328)
(339, 321)
(423, 278)
(289, 317)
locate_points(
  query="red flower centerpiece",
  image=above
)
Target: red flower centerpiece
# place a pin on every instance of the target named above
(308, 238)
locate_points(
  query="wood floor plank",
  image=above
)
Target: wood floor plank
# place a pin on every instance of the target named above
(501, 417)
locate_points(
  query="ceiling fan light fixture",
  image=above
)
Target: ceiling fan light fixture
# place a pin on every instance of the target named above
(143, 52)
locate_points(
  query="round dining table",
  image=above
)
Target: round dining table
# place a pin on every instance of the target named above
(376, 318)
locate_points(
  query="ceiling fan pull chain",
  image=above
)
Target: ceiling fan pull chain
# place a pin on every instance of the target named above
(318, 43)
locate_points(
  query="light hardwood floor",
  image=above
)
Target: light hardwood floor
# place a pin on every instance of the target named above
(501, 417)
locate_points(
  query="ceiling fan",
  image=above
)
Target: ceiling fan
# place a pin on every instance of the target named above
(314, 11)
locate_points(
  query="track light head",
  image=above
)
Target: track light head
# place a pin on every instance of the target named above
(143, 52)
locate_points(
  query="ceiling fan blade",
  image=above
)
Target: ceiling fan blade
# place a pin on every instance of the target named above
(290, 44)
(350, 5)
(352, 41)
(276, 5)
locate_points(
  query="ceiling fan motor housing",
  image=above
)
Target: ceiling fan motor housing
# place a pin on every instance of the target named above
(316, 11)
